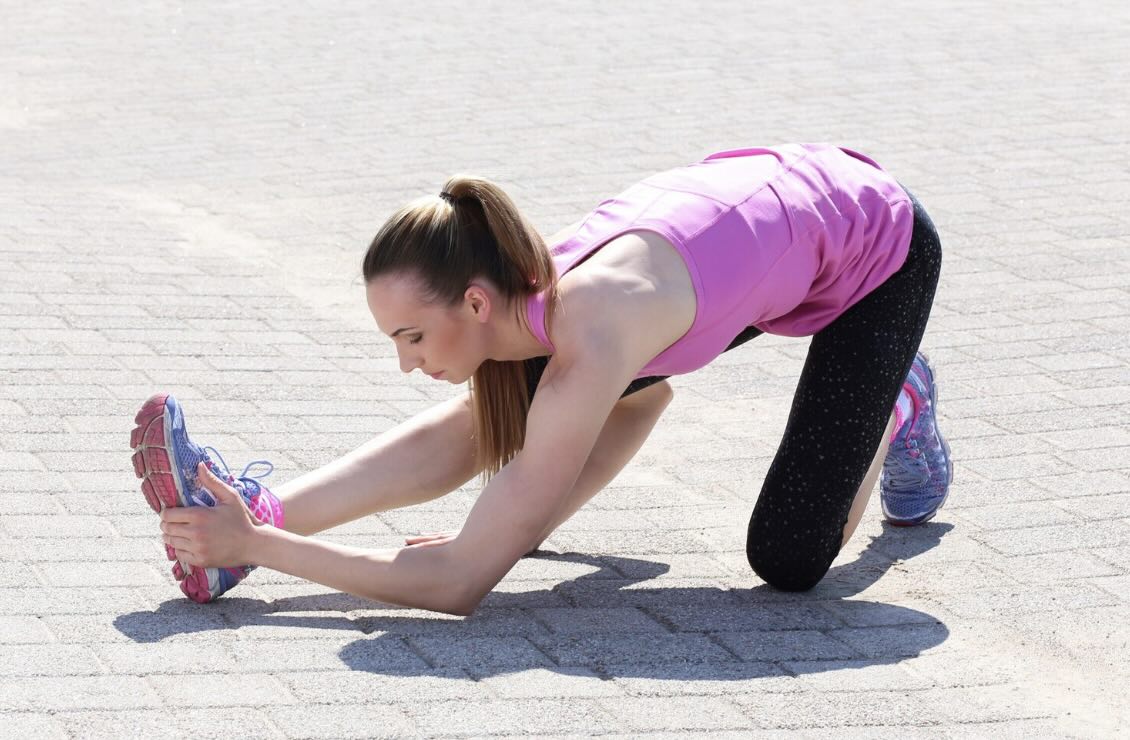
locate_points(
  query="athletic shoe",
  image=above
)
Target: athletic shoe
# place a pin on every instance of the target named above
(166, 460)
(918, 471)
(262, 504)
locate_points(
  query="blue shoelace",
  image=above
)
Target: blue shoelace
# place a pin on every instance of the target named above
(244, 476)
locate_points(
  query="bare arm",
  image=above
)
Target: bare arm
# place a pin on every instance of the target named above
(625, 431)
(532, 492)
(528, 495)
(627, 428)
(425, 576)
(576, 395)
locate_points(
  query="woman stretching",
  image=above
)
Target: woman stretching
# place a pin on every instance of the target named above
(567, 346)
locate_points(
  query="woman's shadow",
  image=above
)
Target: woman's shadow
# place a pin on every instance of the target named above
(606, 622)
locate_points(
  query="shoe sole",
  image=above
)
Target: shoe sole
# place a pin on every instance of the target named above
(945, 446)
(163, 485)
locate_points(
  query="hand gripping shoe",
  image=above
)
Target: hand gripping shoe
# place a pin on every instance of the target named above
(166, 460)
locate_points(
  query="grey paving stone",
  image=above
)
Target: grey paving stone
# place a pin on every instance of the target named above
(745, 618)
(336, 721)
(996, 703)
(20, 724)
(823, 709)
(223, 690)
(55, 600)
(863, 613)
(52, 694)
(786, 645)
(1085, 483)
(706, 678)
(695, 592)
(573, 620)
(894, 641)
(556, 682)
(18, 661)
(27, 630)
(101, 574)
(1057, 566)
(1016, 516)
(89, 549)
(855, 675)
(597, 650)
(358, 687)
(1052, 539)
(149, 658)
(480, 656)
(699, 713)
(529, 716)
(143, 626)
(199, 228)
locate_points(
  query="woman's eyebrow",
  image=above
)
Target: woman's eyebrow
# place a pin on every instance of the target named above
(400, 331)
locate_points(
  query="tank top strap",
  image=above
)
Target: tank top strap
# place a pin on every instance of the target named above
(565, 257)
(535, 314)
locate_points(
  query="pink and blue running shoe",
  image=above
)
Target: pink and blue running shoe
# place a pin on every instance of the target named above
(917, 471)
(166, 459)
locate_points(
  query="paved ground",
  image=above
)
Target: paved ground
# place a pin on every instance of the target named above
(185, 193)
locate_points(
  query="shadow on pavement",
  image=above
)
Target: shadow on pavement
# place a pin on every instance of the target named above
(660, 632)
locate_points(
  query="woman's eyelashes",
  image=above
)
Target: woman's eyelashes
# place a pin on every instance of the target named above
(416, 340)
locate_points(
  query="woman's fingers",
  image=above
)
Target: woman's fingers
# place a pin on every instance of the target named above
(180, 515)
(430, 537)
(187, 557)
(214, 485)
(177, 543)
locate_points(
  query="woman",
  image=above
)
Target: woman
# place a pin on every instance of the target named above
(566, 351)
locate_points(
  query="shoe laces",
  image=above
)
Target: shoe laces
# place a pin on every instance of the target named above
(906, 469)
(244, 476)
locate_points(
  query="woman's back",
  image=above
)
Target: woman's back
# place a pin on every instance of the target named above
(784, 239)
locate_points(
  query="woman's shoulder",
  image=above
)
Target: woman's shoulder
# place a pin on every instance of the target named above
(626, 296)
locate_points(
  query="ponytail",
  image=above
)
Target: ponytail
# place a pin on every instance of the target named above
(473, 229)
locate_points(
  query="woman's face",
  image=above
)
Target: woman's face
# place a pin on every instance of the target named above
(442, 341)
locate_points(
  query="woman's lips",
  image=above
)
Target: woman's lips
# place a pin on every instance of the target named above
(436, 376)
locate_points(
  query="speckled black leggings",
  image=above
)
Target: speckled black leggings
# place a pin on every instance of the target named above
(847, 390)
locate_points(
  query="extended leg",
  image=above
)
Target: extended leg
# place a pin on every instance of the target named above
(423, 458)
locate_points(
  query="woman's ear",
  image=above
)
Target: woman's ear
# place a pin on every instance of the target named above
(478, 299)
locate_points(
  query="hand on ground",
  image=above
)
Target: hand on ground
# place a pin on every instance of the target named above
(433, 538)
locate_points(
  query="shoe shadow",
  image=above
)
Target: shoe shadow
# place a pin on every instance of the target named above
(607, 623)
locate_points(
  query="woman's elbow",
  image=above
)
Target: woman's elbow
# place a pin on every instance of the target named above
(463, 591)
(462, 608)
(462, 602)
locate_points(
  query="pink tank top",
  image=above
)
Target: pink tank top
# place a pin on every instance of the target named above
(784, 239)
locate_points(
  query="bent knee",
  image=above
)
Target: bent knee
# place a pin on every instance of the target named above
(786, 573)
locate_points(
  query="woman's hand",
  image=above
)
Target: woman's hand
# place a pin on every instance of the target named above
(433, 538)
(210, 537)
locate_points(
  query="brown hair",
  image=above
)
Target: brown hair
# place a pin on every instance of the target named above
(472, 230)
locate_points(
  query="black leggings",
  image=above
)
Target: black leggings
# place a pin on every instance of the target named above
(847, 390)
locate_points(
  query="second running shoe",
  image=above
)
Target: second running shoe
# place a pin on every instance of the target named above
(918, 470)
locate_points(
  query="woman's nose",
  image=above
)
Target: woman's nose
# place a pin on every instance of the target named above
(408, 363)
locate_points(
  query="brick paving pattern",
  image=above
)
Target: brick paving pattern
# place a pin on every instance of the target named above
(185, 193)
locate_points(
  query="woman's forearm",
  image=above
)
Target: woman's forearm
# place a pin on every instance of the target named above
(418, 576)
